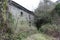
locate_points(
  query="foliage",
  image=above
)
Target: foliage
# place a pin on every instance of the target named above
(44, 8)
(22, 35)
(2, 12)
(57, 9)
(42, 21)
(10, 18)
(49, 28)
(44, 12)
(40, 36)
(4, 21)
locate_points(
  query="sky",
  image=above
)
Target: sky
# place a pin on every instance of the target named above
(30, 4)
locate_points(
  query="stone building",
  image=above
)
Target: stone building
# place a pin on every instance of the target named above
(22, 16)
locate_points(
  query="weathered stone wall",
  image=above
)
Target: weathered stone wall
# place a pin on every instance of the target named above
(24, 20)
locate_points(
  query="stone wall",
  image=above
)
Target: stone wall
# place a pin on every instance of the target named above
(21, 18)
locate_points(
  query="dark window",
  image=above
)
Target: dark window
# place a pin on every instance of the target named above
(29, 17)
(21, 13)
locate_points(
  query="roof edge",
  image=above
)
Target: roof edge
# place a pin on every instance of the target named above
(21, 7)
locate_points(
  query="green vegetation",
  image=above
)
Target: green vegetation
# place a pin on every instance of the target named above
(5, 29)
(57, 9)
(49, 27)
(50, 14)
(40, 36)
(47, 30)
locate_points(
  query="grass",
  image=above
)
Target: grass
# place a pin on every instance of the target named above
(23, 31)
(40, 36)
(49, 27)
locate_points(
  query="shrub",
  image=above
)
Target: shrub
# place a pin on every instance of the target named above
(42, 21)
(40, 36)
(49, 27)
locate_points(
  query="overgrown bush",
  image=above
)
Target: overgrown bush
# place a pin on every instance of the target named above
(42, 21)
(40, 36)
(22, 35)
(57, 9)
(49, 27)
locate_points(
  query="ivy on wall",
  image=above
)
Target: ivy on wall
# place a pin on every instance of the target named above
(4, 21)
(2, 12)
